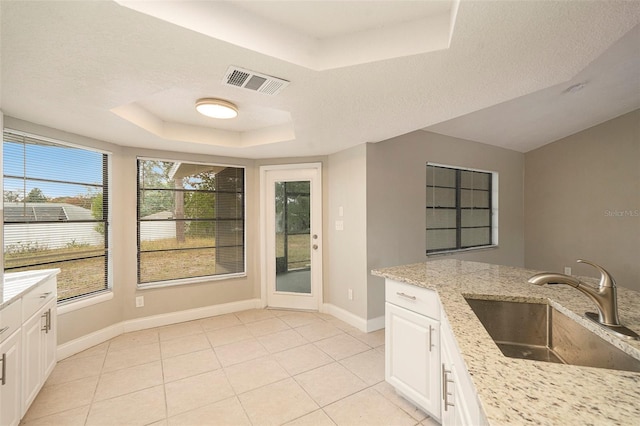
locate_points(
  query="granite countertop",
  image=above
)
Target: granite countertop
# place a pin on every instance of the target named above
(16, 284)
(516, 391)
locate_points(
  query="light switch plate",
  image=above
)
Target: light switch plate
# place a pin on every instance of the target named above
(339, 225)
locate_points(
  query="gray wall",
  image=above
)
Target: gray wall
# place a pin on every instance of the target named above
(348, 248)
(582, 197)
(396, 186)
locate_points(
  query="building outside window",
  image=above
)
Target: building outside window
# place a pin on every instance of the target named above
(461, 208)
(56, 210)
(191, 221)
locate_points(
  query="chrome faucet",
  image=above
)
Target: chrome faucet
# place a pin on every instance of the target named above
(605, 297)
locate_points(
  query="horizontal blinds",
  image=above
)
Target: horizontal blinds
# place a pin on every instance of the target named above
(190, 220)
(458, 205)
(55, 200)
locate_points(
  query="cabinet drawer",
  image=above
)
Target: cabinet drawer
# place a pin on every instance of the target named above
(417, 299)
(37, 298)
(10, 319)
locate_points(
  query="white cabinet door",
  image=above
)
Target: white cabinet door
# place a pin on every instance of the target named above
(412, 361)
(49, 340)
(10, 381)
(32, 359)
(459, 401)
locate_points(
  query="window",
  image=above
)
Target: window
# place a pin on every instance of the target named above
(191, 221)
(56, 204)
(459, 208)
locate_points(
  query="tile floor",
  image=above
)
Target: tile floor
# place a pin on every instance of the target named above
(257, 367)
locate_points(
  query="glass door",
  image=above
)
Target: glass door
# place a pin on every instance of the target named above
(293, 221)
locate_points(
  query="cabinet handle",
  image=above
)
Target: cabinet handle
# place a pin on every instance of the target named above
(45, 295)
(445, 388)
(3, 329)
(3, 380)
(47, 321)
(405, 295)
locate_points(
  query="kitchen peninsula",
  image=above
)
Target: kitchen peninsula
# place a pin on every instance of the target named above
(517, 391)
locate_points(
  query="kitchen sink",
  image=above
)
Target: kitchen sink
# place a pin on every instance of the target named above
(537, 331)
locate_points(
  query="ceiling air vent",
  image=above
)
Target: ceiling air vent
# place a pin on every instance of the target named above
(254, 81)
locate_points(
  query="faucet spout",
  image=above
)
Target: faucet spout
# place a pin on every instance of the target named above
(605, 296)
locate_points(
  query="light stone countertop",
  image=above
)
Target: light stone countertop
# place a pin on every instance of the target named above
(516, 391)
(16, 284)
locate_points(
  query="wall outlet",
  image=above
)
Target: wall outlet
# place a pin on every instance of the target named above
(139, 301)
(567, 270)
(339, 225)
(350, 294)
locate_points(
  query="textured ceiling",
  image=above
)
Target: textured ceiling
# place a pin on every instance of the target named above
(74, 65)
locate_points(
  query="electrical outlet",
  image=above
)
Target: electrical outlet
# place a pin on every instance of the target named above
(139, 301)
(567, 270)
(350, 294)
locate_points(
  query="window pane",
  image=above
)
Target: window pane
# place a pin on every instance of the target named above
(441, 197)
(441, 218)
(475, 237)
(474, 180)
(438, 239)
(475, 217)
(441, 176)
(55, 214)
(470, 198)
(165, 266)
(189, 210)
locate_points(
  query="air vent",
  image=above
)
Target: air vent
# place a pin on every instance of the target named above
(253, 81)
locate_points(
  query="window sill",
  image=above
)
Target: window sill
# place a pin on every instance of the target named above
(74, 305)
(187, 281)
(450, 252)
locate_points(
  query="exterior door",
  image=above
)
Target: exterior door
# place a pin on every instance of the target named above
(292, 252)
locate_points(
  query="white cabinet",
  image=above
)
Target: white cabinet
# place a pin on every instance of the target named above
(422, 359)
(412, 356)
(10, 380)
(459, 399)
(38, 340)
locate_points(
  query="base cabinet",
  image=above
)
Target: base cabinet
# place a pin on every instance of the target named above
(10, 380)
(412, 333)
(39, 344)
(422, 360)
(412, 365)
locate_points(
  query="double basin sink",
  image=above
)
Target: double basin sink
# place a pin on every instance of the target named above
(537, 331)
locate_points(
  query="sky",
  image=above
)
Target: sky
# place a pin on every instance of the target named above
(82, 167)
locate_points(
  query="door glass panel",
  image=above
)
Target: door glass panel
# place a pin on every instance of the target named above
(293, 237)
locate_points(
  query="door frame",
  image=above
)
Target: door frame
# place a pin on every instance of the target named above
(316, 279)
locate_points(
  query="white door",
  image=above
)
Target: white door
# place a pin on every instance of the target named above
(292, 236)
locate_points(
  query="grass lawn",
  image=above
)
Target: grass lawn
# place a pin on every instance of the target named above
(79, 277)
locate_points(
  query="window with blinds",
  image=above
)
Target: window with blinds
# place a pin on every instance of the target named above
(56, 209)
(191, 221)
(459, 206)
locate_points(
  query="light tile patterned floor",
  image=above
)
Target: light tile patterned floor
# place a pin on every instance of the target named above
(257, 367)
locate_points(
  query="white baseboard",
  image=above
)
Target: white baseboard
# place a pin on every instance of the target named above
(360, 323)
(85, 342)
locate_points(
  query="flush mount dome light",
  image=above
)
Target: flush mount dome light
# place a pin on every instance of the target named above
(216, 108)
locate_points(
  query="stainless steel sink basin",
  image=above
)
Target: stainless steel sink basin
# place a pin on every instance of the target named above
(539, 332)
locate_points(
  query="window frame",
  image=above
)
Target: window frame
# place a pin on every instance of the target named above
(492, 208)
(95, 296)
(198, 279)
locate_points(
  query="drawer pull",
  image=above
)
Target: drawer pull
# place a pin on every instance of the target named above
(3, 329)
(45, 295)
(405, 295)
(3, 379)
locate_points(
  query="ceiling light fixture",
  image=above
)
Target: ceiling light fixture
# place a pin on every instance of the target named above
(216, 108)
